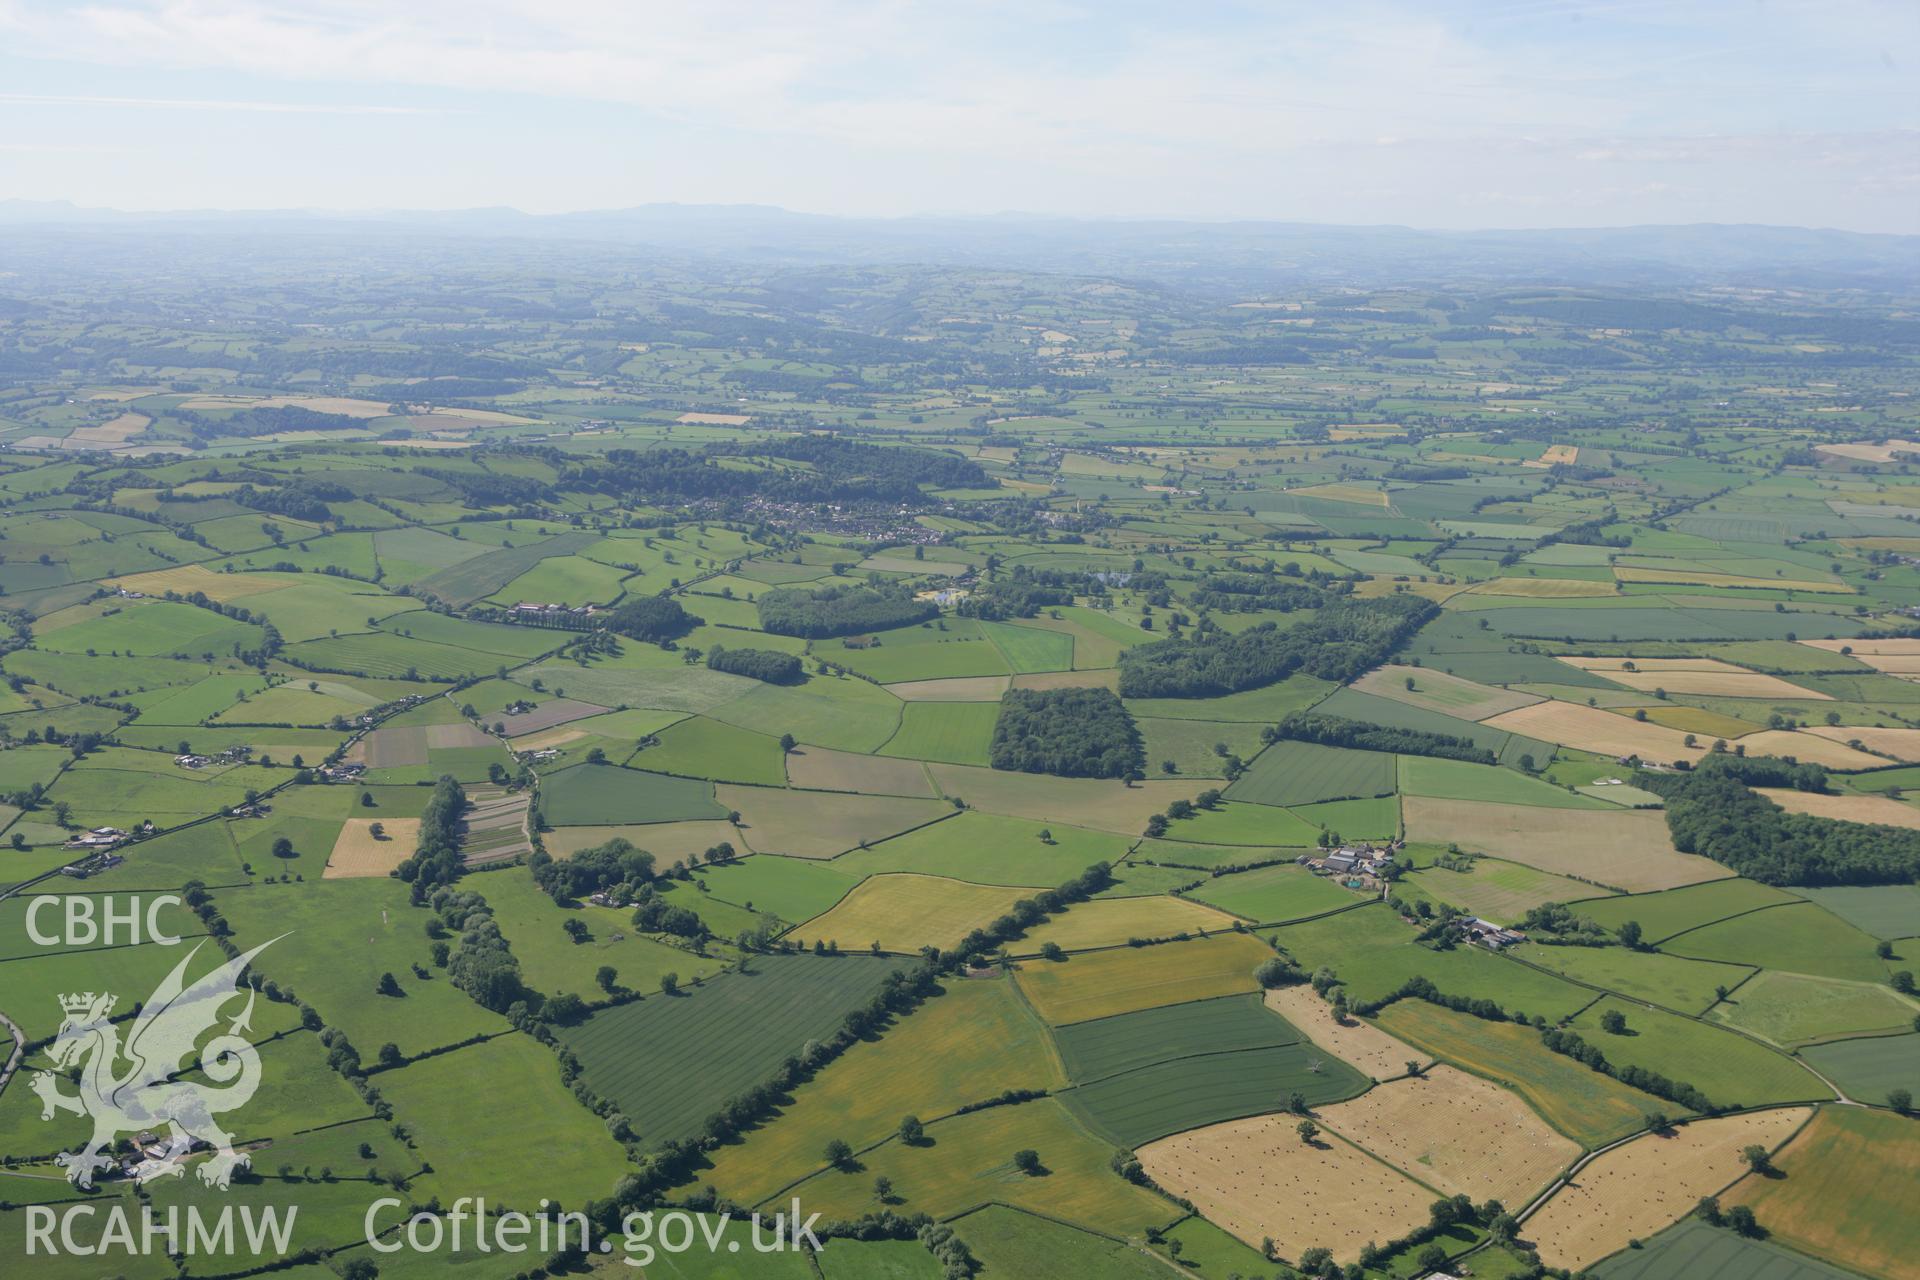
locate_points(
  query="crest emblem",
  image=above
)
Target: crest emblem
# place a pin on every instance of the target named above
(131, 1087)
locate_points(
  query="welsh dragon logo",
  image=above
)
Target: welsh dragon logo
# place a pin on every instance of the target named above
(146, 1095)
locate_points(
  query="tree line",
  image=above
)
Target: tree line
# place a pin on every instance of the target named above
(1338, 731)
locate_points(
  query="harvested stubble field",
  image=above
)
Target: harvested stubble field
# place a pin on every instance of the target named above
(1102, 983)
(1458, 1133)
(1625, 848)
(821, 824)
(903, 912)
(819, 769)
(1809, 748)
(1636, 1189)
(358, 852)
(1847, 808)
(951, 689)
(667, 841)
(1257, 1179)
(1708, 676)
(1588, 1107)
(1077, 802)
(1438, 691)
(1592, 729)
(1901, 744)
(1369, 1049)
(1108, 922)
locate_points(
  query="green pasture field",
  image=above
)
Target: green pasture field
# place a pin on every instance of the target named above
(1103, 983)
(1868, 1068)
(1030, 648)
(902, 913)
(1694, 1250)
(1672, 982)
(1587, 1106)
(568, 580)
(1254, 706)
(669, 1061)
(921, 653)
(1884, 910)
(969, 1161)
(988, 849)
(1800, 937)
(971, 1042)
(23, 766)
(1461, 780)
(527, 1108)
(1275, 895)
(465, 582)
(1177, 853)
(1208, 1251)
(1674, 911)
(155, 629)
(484, 637)
(1793, 1010)
(385, 654)
(35, 982)
(79, 676)
(951, 732)
(879, 1260)
(292, 704)
(198, 701)
(335, 939)
(1374, 819)
(1354, 705)
(840, 712)
(321, 605)
(794, 889)
(1026, 1246)
(821, 824)
(1730, 1069)
(1496, 890)
(1242, 823)
(1193, 745)
(606, 795)
(1294, 773)
(701, 748)
(1373, 954)
(553, 962)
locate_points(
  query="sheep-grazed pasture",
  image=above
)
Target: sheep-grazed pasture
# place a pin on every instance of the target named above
(1674, 911)
(1794, 1009)
(904, 912)
(1730, 1069)
(1458, 1133)
(1673, 982)
(1497, 890)
(357, 851)
(1636, 1189)
(987, 849)
(1587, 1106)
(1798, 936)
(668, 1061)
(1102, 983)
(1275, 894)
(1257, 1178)
(1885, 910)
(1622, 848)
(1101, 803)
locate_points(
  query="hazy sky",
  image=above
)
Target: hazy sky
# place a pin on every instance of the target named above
(1501, 113)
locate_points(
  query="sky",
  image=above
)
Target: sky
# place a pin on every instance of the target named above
(1429, 113)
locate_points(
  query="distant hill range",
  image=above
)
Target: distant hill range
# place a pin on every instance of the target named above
(1236, 255)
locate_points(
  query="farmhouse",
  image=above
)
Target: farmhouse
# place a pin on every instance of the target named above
(98, 838)
(1490, 935)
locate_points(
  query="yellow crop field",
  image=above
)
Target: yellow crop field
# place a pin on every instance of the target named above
(1808, 747)
(1542, 588)
(189, 578)
(1846, 1192)
(1708, 676)
(1457, 1133)
(1101, 983)
(1592, 729)
(904, 912)
(1628, 850)
(1872, 809)
(1863, 647)
(1258, 1179)
(358, 852)
(1109, 922)
(1901, 744)
(668, 842)
(1634, 1190)
(1824, 586)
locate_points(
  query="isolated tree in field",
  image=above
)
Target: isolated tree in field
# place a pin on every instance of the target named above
(605, 976)
(838, 1153)
(1297, 1103)
(669, 983)
(788, 742)
(1657, 1122)
(378, 830)
(1410, 685)
(883, 1189)
(1027, 1161)
(912, 1132)
(1756, 1157)
(1308, 1131)
(575, 930)
(366, 799)
(388, 985)
(1900, 1100)
(1613, 1022)
(1884, 951)
(1413, 1067)
(283, 848)
(1709, 1210)
(1630, 934)
(1052, 951)
(1903, 982)
(389, 1054)
(1741, 1219)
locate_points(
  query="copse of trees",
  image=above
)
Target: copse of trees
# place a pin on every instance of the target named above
(1711, 812)
(602, 867)
(841, 611)
(1338, 731)
(1344, 639)
(769, 665)
(436, 859)
(837, 471)
(652, 619)
(1076, 733)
